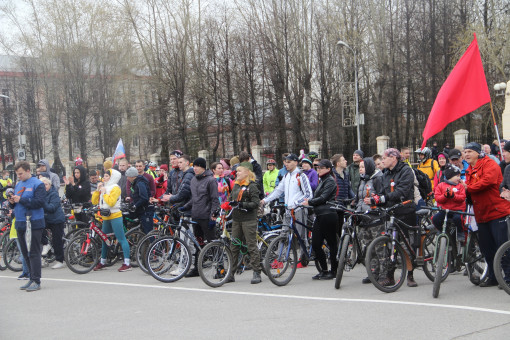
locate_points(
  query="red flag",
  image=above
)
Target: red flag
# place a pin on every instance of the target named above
(464, 91)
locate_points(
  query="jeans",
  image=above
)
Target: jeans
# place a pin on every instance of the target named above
(438, 221)
(491, 236)
(116, 227)
(301, 216)
(146, 220)
(33, 254)
(23, 262)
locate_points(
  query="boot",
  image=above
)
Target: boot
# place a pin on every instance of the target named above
(410, 280)
(256, 278)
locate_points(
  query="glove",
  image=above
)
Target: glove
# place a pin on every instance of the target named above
(376, 199)
(233, 204)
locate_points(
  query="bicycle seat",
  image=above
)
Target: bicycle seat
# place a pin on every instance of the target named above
(422, 212)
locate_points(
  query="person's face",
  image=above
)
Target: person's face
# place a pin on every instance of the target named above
(106, 177)
(305, 166)
(183, 164)
(270, 167)
(5, 176)
(506, 155)
(343, 162)
(378, 164)
(23, 175)
(291, 165)
(321, 170)
(94, 178)
(162, 172)
(356, 158)
(242, 173)
(41, 168)
(218, 171)
(139, 167)
(47, 186)
(422, 156)
(455, 179)
(123, 165)
(362, 168)
(77, 174)
(174, 161)
(316, 164)
(487, 149)
(198, 170)
(470, 156)
(406, 154)
(457, 162)
(389, 161)
(441, 161)
(131, 179)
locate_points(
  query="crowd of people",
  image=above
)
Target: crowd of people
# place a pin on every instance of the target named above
(451, 178)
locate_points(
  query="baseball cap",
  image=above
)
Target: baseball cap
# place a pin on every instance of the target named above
(455, 154)
(292, 157)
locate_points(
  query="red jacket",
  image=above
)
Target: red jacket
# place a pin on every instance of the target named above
(458, 202)
(161, 186)
(483, 182)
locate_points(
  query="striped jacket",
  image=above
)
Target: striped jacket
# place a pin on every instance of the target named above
(295, 186)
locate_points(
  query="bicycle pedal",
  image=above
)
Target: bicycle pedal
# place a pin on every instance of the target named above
(420, 261)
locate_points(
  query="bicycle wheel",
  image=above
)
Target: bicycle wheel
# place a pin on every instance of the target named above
(263, 249)
(502, 265)
(442, 254)
(168, 259)
(141, 250)
(429, 245)
(281, 260)
(215, 264)
(82, 254)
(386, 269)
(341, 260)
(12, 256)
(476, 266)
(4, 239)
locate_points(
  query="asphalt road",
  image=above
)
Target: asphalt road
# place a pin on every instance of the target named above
(132, 305)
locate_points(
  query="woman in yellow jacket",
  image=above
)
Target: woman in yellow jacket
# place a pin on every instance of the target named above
(108, 197)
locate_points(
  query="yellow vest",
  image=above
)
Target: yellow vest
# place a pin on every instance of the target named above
(5, 182)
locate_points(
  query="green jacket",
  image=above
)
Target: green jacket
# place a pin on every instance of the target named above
(249, 201)
(269, 180)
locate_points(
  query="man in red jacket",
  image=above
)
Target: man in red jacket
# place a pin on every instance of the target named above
(483, 178)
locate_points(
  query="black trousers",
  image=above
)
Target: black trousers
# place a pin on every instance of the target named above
(57, 234)
(204, 229)
(32, 256)
(325, 228)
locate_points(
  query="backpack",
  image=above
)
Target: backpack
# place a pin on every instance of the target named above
(424, 185)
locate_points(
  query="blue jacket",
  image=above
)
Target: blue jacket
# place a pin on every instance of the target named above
(140, 193)
(344, 186)
(33, 194)
(183, 193)
(53, 213)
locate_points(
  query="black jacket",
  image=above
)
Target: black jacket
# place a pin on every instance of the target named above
(80, 191)
(183, 192)
(204, 200)
(403, 189)
(325, 192)
(140, 193)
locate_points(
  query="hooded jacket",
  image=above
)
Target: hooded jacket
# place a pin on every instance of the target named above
(53, 213)
(111, 198)
(183, 191)
(80, 191)
(398, 186)
(483, 182)
(325, 192)
(55, 181)
(140, 193)
(204, 202)
(370, 183)
(295, 186)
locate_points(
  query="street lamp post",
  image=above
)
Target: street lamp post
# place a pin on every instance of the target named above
(342, 43)
(20, 136)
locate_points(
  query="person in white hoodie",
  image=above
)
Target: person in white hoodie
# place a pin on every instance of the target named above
(108, 196)
(296, 188)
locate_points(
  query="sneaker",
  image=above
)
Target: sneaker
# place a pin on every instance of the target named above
(488, 283)
(44, 263)
(33, 287)
(366, 280)
(192, 273)
(125, 268)
(45, 249)
(176, 272)
(58, 265)
(24, 277)
(256, 278)
(26, 285)
(323, 276)
(99, 266)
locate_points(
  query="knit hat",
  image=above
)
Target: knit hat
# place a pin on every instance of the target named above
(234, 160)
(163, 167)
(450, 171)
(307, 161)
(360, 153)
(473, 146)
(107, 165)
(507, 146)
(200, 162)
(131, 172)
(247, 165)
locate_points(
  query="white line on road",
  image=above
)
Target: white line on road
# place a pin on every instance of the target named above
(297, 297)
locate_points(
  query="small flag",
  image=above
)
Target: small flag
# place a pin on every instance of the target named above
(119, 152)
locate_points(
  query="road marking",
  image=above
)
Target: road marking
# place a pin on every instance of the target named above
(282, 296)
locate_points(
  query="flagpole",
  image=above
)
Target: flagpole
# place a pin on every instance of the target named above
(497, 132)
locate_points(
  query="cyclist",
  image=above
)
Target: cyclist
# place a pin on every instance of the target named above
(427, 164)
(456, 159)
(296, 187)
(344, 185)
(44, 166)
(139, 165)
(78, 189)
(443, 159)
(225, 184)
(140, 194)
(108, 196)
(182, 191)
(123, 166)
(483, 178)
(398, 186)
(313, 177)
(353, 169)
(93, 179)
(451, 195)
(162, 180)
(152, 169)
(245, 196)
(270, 176)
(175, 173)
(324, 227)
(55, 219)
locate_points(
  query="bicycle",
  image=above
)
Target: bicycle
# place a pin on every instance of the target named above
(84, 251)
(280, 261)
(386, 256)
(446, 255)
(502, 266)
(215, 262)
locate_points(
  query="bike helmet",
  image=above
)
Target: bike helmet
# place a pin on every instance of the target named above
(312, 155)
(427, 152)
(9, 192)
(271, 161)
(153, 164)
(417, 150)
(78, 161)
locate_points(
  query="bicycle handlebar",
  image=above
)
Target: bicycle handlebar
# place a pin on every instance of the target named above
(448, 210)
